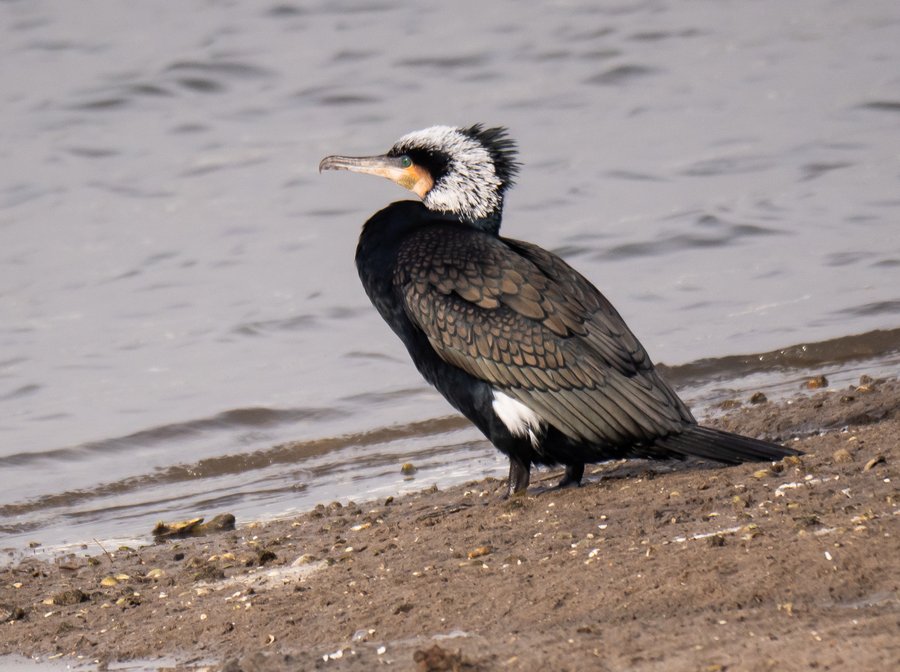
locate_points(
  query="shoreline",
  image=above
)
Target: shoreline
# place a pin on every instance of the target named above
(648, 566)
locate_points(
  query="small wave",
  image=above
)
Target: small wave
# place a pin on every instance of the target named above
(870, 345)
(548, 56)
(445, 62)
(367, 398)
(882, 105)
(228, 69)
(846, 258)
(204, 77)
(130, 191)
(260, 327)
(372, 356)
(360, 7)
(633, 176)
(346, 312)
(102, 103)
(352, 55)
(12, 361)
(335, 96)
(227, 420)
(721, 234)
(812, 171)
(600, 54)
(200, 84)
(591, 35)
(621, 74)
(660, 35)
(92, 152)
(729, 165)
(291, 453)
(347, 99)
(285, 10)
(19, 392)
(869, 309)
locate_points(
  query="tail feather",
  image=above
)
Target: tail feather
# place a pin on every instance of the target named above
(722, 446)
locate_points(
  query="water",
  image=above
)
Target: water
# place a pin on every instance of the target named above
(181, 326)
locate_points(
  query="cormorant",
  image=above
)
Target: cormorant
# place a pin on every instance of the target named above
(516, 339)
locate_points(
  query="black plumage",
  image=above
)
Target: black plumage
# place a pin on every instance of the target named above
(515, 338)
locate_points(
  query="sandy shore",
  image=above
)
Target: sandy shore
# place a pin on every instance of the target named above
(646, 567)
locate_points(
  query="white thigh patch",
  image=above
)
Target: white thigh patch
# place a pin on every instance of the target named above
(518, 418)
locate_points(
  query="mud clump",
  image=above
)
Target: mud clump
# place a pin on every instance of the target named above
(437, 659)
(195, 527)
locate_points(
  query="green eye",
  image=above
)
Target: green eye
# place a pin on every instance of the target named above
(405, 161)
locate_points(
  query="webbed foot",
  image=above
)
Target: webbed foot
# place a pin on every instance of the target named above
(572, 477)
(519, 477)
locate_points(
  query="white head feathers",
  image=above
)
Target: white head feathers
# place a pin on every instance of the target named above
(470, 186)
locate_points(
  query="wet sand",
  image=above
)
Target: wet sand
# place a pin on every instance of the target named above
(646, 567)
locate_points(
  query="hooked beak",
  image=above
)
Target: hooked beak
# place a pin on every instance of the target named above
(413, 177)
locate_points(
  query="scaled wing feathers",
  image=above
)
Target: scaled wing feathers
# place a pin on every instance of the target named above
(521, 319)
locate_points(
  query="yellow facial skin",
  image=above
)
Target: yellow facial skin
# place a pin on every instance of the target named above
(399, 169)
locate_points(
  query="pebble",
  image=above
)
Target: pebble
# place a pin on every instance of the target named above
(265, 556)
(362, 635)
(11, 613)
(479, 552)
(841, 456)
(758, 398)
(69, 597)
(816, 383)
(878, 459)
(437, 659)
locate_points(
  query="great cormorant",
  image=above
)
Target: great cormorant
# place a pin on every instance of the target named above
(515, 338)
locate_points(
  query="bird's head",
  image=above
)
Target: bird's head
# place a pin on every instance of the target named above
(462, 171)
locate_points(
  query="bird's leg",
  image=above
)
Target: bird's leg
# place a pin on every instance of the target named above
(519, 476)
(573, 475)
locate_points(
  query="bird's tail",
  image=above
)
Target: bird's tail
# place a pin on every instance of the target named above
(722, 446)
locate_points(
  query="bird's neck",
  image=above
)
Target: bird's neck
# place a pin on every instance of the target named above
(387, 229)
(376, 260)
(380, 240)
(491, 223)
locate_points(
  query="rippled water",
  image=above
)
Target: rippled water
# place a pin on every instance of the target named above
(181, 326)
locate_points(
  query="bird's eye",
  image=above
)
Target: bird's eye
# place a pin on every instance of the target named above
(405, 161)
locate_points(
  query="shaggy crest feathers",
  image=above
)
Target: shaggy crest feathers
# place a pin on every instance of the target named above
(502, 148)
(479, 165)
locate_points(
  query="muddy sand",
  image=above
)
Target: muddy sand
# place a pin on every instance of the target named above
(648, 566)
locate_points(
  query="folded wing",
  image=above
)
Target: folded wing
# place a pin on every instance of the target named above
(521, 319)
